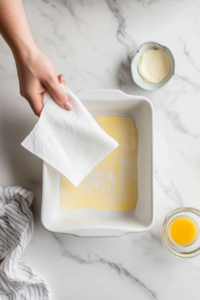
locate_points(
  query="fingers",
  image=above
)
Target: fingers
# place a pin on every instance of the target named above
(58, 94)
(60, 79)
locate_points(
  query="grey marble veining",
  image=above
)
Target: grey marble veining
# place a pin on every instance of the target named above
(118, 267)
(92, 42)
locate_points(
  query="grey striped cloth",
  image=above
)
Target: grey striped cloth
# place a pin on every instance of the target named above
(17, 280)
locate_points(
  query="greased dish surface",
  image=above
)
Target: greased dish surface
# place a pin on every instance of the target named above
(113, 184)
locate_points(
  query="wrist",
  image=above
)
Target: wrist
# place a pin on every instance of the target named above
(24, 50)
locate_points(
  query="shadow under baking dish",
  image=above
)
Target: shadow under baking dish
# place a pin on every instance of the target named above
(93, 222)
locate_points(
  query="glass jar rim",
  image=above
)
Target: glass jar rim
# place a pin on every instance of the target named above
(166, 221)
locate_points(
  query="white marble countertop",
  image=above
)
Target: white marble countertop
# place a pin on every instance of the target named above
(91, 42)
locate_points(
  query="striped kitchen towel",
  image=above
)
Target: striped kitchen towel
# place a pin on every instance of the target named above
(17, 280)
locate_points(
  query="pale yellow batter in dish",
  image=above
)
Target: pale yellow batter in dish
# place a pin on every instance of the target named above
(112, 185)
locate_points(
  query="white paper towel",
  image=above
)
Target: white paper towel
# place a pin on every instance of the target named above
(71, 141)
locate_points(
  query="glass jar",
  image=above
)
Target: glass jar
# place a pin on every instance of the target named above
(181, 251)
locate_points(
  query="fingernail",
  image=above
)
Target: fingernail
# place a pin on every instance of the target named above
(61, 77)
(68, 106)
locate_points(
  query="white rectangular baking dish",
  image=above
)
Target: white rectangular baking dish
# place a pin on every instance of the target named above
(92, 222)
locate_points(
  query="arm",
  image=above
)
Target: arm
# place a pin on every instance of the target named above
(35, 71)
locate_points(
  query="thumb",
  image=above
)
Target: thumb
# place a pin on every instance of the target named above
(36, 103)
(58, 94)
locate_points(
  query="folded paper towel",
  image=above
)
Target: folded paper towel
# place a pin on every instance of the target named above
(71, 141)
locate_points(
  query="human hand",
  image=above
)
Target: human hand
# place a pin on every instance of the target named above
(36, 75)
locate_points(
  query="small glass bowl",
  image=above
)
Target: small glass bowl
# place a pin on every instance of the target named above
(184, 252)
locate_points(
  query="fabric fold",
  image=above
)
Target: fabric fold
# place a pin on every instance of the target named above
(18, 281)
